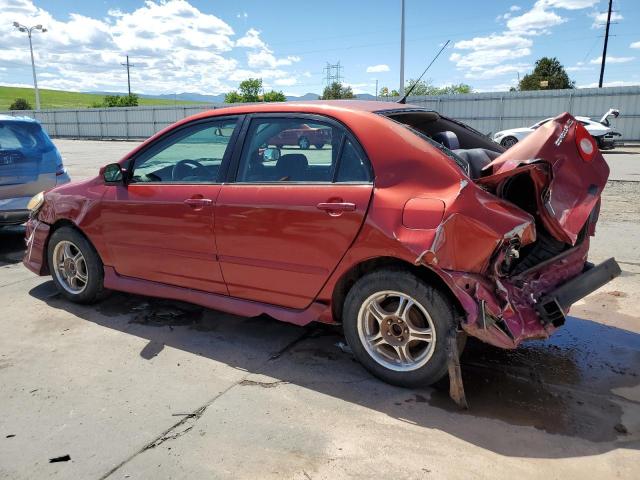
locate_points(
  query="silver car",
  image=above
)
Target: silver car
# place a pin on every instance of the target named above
(29, 164)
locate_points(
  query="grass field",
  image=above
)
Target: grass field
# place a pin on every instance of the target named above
(62, 99)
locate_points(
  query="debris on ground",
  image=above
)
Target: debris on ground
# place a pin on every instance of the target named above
(620, 428)
(63, 458)
(344, 347)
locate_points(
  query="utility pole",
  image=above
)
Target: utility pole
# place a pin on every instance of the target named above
(376, 88)
(606, 41)
(128, 65)
(29, 31)
(401, 89)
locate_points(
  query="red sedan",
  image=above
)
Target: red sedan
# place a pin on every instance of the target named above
(409, 228)
(303, 136)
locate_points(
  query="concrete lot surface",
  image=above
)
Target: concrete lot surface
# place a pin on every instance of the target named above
(142, 388)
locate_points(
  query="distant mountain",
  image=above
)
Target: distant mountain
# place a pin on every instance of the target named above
(198, 97)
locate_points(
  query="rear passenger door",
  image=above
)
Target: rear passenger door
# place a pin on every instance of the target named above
(283, 224)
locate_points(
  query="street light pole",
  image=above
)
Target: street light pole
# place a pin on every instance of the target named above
(401, 90)
(29, 31)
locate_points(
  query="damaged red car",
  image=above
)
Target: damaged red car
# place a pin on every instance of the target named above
(408, 228)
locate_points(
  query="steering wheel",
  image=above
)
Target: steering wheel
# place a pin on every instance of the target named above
(186, 168)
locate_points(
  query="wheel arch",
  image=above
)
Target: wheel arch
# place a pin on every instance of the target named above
(65, 222)
(357, 271)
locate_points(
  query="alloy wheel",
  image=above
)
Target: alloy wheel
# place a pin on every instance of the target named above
(396, 331)
(70, 267)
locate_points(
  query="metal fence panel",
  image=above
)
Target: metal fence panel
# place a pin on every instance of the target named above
(487, 112)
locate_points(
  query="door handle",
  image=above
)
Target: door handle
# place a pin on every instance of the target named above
(336, 206)
(198, 202)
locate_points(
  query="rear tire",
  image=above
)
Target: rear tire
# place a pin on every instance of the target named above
(397, 327)
(303, 143)
(75, 266)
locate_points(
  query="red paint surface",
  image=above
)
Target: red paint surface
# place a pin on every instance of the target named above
(270, 249)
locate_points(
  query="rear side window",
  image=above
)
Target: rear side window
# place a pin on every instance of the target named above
(281, 150)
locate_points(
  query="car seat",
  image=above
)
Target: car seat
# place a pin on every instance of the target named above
(292, 167)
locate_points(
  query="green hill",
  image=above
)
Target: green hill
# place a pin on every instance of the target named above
(62, 99)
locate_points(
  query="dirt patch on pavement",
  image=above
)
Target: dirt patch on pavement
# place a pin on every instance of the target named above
(621, 201)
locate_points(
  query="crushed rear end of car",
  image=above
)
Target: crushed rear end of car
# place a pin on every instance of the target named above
(514, 245)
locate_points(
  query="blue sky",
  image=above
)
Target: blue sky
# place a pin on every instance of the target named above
(209, 46)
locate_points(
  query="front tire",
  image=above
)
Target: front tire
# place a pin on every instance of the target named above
(397, 327)
(508, 142)
(75, 266)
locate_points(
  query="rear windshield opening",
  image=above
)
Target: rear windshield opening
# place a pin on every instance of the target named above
(468, 148)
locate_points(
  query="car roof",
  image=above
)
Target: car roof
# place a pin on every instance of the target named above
(11, 118)
(310, 106)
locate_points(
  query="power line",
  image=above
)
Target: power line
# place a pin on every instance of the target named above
(128, 65)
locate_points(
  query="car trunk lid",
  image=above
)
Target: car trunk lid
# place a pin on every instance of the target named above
(567, 171)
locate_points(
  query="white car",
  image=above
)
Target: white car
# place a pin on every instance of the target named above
(600, 130)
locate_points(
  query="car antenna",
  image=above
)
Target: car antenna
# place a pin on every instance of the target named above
(403, 100)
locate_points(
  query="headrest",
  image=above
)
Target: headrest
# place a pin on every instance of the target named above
(448, 139)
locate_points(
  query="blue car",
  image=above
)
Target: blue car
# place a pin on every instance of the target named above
(29, 164)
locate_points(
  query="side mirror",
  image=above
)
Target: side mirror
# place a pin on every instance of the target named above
(271, 154)
(112, 173)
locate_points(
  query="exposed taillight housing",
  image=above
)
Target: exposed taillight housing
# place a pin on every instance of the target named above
(585, 143)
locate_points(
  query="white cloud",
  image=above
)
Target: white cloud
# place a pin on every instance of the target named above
(286, 82)
(264, 58)
(635, 45)
(378, 68)
(494, 55)
(251, 39)
(242, 15)
(175, 47)
(535, 21)
(494, 41)
(615, 83)
(600, 19)
(497, 71)
(578, 67)
(479, 60)
(611, 59)
(570, 4)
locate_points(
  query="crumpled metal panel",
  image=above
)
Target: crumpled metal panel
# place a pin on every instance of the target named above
(571, 189)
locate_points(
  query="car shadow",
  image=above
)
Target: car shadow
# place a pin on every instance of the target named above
(11, 245)
(562, 386)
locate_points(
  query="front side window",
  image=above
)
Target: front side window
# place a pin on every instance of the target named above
(297, 150)
(193, 155)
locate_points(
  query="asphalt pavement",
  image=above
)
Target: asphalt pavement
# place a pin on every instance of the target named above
(140, 388)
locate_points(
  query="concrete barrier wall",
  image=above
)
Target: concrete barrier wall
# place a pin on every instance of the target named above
(487, 112)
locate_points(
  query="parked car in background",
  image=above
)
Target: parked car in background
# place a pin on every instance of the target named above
(600, 130)
(303, 136)
(410, 229)
(29, 163)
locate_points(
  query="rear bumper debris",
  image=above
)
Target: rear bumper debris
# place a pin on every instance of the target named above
(551, 308)
(36, 237)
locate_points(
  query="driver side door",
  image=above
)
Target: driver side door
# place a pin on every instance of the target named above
(160, 225)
